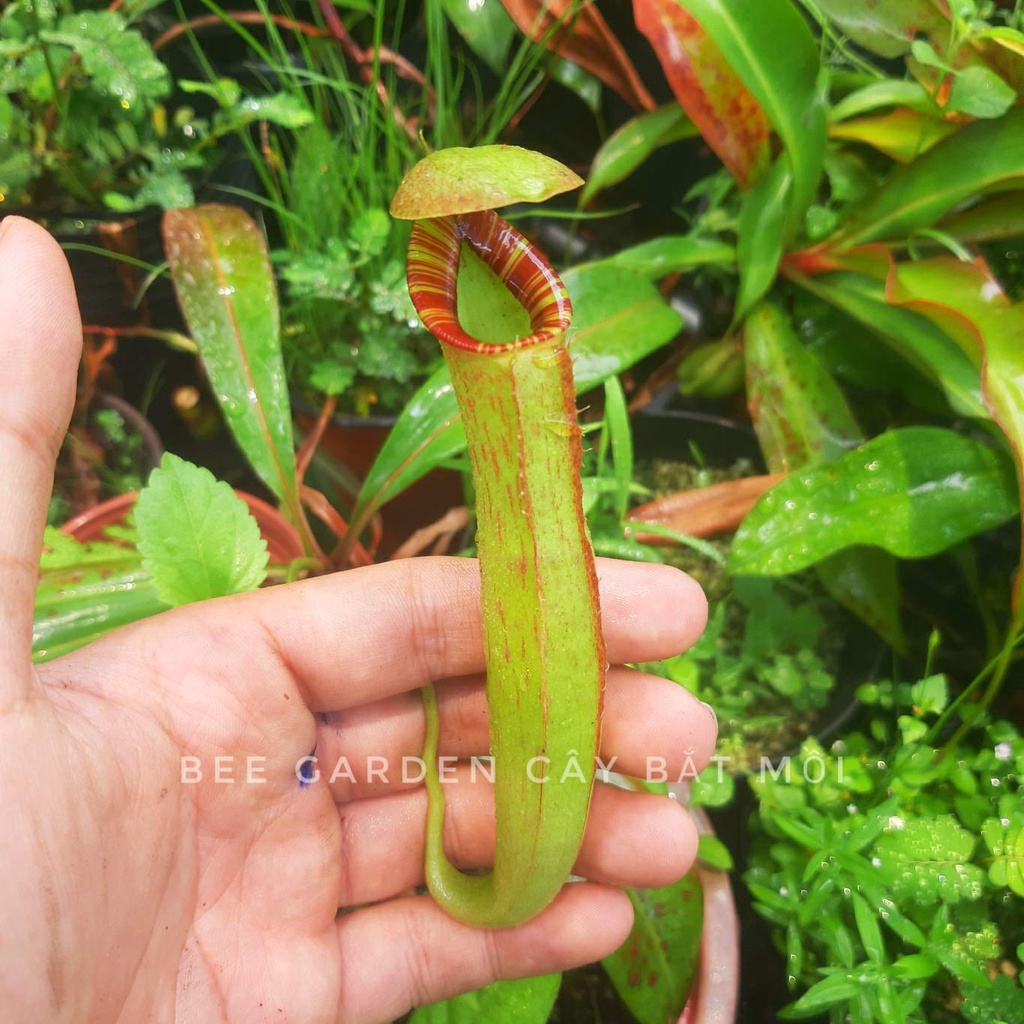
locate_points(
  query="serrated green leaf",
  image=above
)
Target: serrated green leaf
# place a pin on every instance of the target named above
(928, 859)
(196, 535)
(522, 1001)
(118, 59)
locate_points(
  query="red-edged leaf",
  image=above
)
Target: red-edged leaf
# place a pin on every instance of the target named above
(901, 134)
(578, 32)
(707, 88)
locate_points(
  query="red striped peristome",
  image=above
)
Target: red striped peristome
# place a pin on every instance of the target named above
(433, 266)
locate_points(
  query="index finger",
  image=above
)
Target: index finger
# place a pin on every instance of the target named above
(369, 633)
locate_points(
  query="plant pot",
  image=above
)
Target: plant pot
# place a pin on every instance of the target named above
(99, 462)
(354, 442)
(283, 542)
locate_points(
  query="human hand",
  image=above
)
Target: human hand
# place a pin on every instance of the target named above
(130, 895)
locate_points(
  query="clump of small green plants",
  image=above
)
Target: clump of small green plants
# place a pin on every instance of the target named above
(767, 663)
(893, 868)
(86, 114)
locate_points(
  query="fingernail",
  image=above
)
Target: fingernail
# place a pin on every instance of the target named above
(711, 712)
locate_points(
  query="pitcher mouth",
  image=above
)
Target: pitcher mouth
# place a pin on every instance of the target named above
(432, 272)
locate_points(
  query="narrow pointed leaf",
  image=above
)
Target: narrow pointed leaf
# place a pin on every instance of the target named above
(802, 418)
(770, 47)
(674, 254)
(914, 492)
(919, 194)
(653, 969)
(901, 134)
(225, 285)
(580, 33)
(760, 234)
(619, 318)
(885, 93)
(708, 89)
(629, 146)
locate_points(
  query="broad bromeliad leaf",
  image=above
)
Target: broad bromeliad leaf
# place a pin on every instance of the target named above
(86, 590)
(918, 195)
(801, 418)
(770, 47)
(524, 1001)
(914, 492)
(225, 286)
(627, 147)
(653, 970)
(927, 348)
(619, 318)
(579, 33)
(196, 536)
(708, 89)
(968, 304)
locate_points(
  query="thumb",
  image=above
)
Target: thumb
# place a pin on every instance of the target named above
(40, 345)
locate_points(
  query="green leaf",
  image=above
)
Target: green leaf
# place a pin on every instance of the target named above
(1000, 217)
(930, 695)
(462, 180)
(653, 970)
(196, 536)
(713, 852)
(629, 146)
(760, 234)
(921, 343)
(864, 580)
(799, 413)
(225, 285)
(707, 87)
(914, 492)
(286, 109)
(619, 318)
(928, 859)
(86, 590)
(674, 254)
(1001, 1002)
(770, 47)
(523, 1001)
(980, 92)
(917, 195)
(902, 134)
(831, 991)
(486, 27)
(1006, 841)
(887, 27)
(714, 787)
(118, 59)
(889, 92)
(867, 927)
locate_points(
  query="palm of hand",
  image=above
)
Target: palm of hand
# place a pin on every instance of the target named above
(149, 895)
